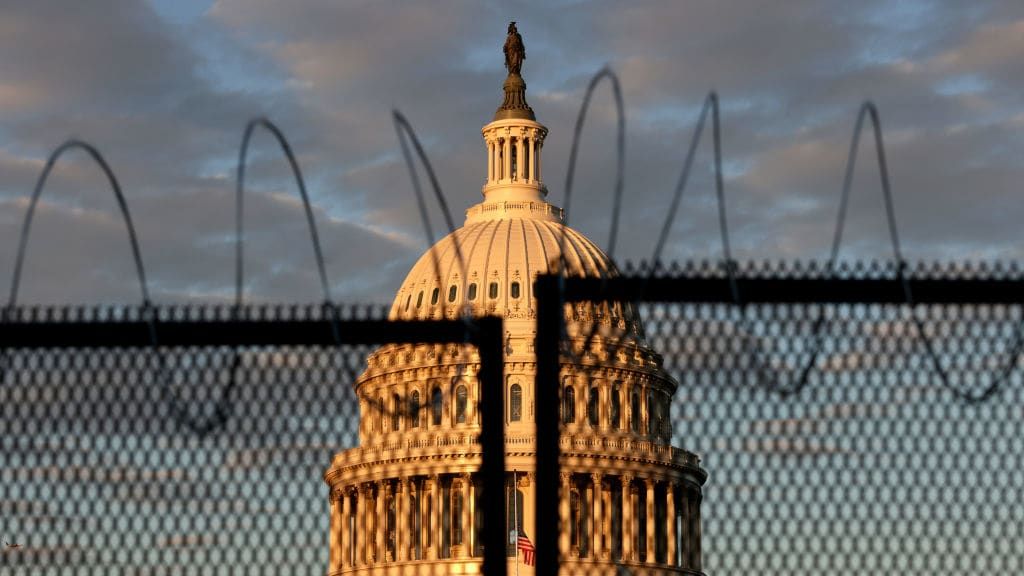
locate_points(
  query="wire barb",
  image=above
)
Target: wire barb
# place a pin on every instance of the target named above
(406, 133)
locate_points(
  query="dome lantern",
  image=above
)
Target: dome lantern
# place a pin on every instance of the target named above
(514, 139)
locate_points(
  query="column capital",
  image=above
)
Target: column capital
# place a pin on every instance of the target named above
(565, 477)
(596, 478)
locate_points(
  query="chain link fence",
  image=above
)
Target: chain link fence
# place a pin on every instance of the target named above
(843, 430)
(125, 449)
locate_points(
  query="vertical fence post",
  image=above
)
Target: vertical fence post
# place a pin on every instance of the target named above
(549, 328)
(492, 392)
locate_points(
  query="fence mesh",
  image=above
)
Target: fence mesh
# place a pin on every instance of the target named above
(99, 473)
(875, 465)
(838, 438)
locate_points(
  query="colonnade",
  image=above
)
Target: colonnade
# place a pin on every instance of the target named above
(514, 157)
(405, 519)
(630, 518)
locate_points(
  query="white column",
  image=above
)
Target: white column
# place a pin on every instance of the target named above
(644, 410)
(540, 145)
(434, 491)
(649, 483)
(563, 515)
(596, 517)
(401, 520)
(527, 158)
(379, 521)
(346, 529)
(335, 546)
(627, 517)
(467, 517)
(506, 168)
(533, 156)
(471, 538)
(490, 160)
(362, 530)
(670, 512)
(520, 167)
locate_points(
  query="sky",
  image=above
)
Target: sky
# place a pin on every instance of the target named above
(164, 90)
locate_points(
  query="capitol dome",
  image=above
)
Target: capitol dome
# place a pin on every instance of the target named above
(490, 264)
(405, 500)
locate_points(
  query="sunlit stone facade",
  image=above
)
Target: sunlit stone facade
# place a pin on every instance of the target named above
(406, 501)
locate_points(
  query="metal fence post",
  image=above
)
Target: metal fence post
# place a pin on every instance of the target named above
(549, 328)
(492, 391)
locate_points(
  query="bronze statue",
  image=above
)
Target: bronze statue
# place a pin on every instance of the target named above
(515, 52)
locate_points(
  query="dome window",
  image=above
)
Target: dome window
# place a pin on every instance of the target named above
(461, 401)
(492, 290)
(435, 407)
(414, 409)
(396, 412)
(472, 291)
(514, 290)
(433, 296)
(419, 299)
(452, 292)
(592, 405)
(408, 301)
(515, 405)
(569, 405)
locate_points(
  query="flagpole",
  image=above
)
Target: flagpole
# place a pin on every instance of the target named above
(515, 514)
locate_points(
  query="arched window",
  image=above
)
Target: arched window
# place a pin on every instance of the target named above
(460, 404)
(419, 299)
(592, 407)
(414, 409)
(435, 406)
(634, 411)
(433, 296)
(514, 290)
(408, 300)
(515, 403)
(396, 411)
(452, 293)
(380, 414)
(569, 405)
(472, 291)
(616, 407)
(492, 290)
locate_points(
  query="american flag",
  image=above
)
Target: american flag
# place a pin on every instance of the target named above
(526, 547)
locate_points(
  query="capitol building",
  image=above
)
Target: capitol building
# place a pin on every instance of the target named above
(405, 501)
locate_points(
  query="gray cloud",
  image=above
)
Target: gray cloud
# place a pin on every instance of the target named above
(166, 102)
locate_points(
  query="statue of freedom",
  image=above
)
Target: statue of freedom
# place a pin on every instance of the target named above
(515, 52)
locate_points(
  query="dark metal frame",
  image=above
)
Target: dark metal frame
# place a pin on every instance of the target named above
(553, 292)
(484, 333)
